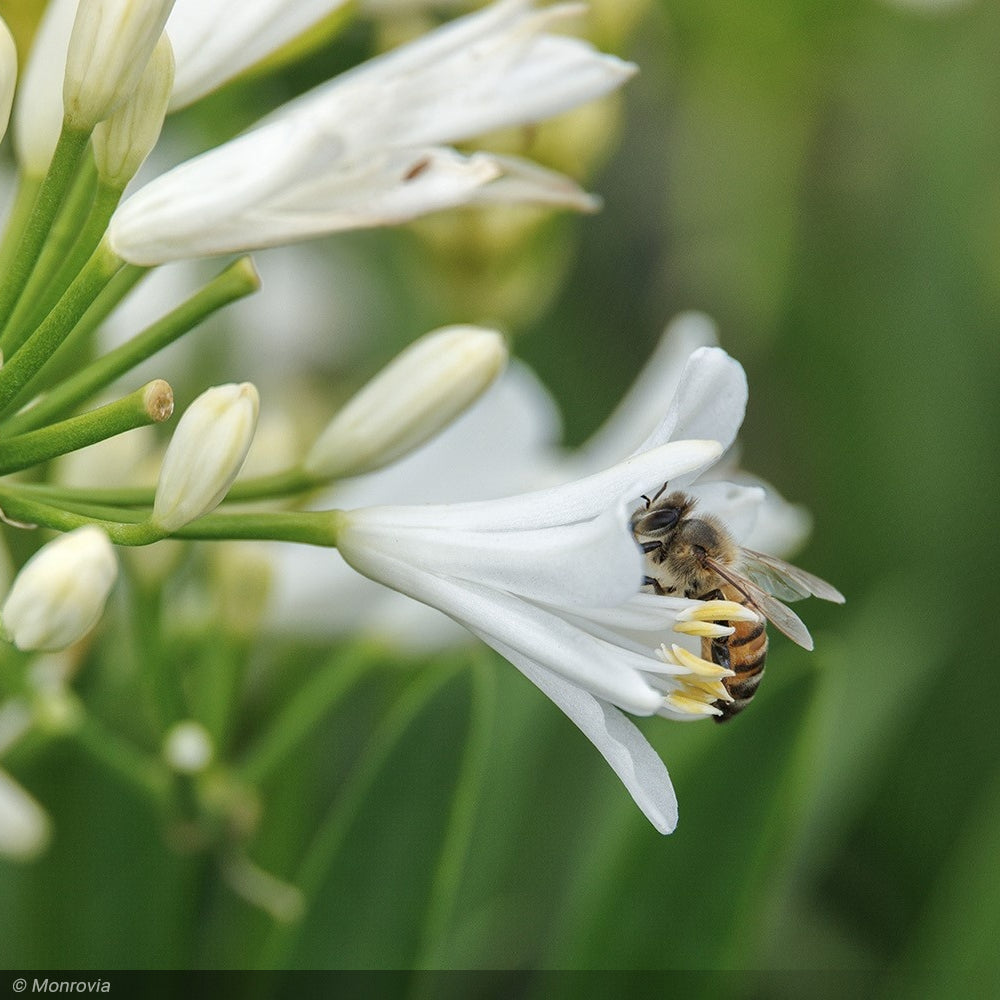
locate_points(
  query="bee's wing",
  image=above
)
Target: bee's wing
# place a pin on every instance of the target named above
(781, 617)
(785, 580)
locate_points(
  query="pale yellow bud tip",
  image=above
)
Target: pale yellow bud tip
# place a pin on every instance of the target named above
(159, 400)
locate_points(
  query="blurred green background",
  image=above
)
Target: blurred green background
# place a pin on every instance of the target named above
(823, 180)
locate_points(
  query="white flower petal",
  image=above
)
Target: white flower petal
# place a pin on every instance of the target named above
(612, 673)
(617, 738)
(575, 501)
(491, 69)
(586, 564)
(520, 181)
(641, 410)
(711, 400)
(737, 506)
(214, 42)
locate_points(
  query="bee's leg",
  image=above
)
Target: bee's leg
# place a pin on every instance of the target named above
(648, 547)
(648, 581)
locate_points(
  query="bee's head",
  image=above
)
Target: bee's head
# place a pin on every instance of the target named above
(661, 515)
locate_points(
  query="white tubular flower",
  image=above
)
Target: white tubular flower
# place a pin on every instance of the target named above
(60, 593)
(215, 42)
(38, 111)
(205, 454)
(109, 47)
(25, 827)
(423, 390)
(8, 74)
(123, 141)
(550, 580)
(370, 147)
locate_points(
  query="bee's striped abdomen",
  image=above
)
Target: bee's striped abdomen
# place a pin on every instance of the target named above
(745, 652)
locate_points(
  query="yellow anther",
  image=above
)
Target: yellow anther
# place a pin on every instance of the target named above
(718, 611)
(681, 657)
(689, 706)
(703, 630)
(710, 690)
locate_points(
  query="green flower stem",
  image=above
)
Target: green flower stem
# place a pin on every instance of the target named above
(303, 712)
(325, 846)
(146, 774)
(31, 357)
(307, 527)
(62, 170)
(236, 281)
(24, 201)
(16, 505)
(151, 404)
(67, 361)
(281, 484)
(78, 229)
(22, 502)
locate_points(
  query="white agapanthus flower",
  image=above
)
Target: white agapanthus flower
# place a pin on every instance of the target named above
(551, 581)
(371, 147)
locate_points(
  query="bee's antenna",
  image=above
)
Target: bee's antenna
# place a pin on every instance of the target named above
(659, 493)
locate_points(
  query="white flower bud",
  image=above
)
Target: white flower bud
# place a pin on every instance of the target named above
(123, 141)
(205, 454)
(188, 747)
(418, 394)
(24, 825)
(8, 74)
(61, 591)
(111, 43)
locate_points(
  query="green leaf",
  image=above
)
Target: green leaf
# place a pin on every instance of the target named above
(697, 899)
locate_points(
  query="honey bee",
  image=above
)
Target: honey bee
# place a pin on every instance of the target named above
(696, 557)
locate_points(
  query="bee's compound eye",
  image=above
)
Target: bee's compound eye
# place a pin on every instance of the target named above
(661, 520)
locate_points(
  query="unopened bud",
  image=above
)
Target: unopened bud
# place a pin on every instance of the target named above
(111, 43)
(8, 74)
(205, 454)
(188, 747)
(422, 391)
(24, 825)
(123, 141)
(60, 593)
